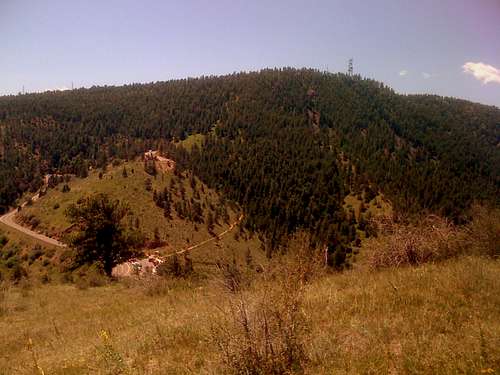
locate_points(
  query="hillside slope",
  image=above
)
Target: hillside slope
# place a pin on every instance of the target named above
(288, 145)
(441, 318)
(128, 182)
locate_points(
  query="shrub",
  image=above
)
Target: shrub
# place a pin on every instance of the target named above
(148, 184)
(17, 273)
(400, 244)
(433, 239)
(35, 253)
(232, 277)
(56, 206)
(12, 262)
(3, 240)
(155, 287)
(268, 336)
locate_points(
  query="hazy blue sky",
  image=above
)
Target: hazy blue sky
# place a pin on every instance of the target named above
(413, 46)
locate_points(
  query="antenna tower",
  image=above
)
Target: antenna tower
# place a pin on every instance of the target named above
(350, 69)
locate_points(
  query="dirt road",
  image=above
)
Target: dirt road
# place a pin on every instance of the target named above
(8, 219)
(126, 269)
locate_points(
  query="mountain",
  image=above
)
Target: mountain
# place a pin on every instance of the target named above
(287, 145)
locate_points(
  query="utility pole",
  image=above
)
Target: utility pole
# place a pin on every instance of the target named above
(350, 69)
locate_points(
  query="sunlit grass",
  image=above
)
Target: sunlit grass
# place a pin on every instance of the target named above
(437, 318)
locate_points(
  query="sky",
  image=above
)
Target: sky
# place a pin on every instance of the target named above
(444, 47)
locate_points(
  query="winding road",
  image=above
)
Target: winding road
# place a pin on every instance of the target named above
(123, 269)
(9, 220)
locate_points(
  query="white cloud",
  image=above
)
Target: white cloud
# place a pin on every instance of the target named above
(62, 88)
(482, 72)
(403, 73)
(426, 75)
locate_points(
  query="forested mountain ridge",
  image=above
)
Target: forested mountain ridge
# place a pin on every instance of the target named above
(287, 144)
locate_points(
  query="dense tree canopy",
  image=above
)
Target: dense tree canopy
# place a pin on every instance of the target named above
(101, 236)
(286, 144)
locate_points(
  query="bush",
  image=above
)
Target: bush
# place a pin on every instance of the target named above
(399, 244)
(35, 253)
(17, 273)
(232, 277)
(266, 337)
(3, 240)
(433, 239)
(12, 262)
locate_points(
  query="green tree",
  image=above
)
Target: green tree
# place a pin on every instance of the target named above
(210, 222)
(101, 237)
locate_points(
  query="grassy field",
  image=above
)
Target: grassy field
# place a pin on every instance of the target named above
(437, 318)
(240, 309)
(190, 141)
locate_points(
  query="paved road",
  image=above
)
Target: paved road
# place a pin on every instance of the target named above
(8, 219)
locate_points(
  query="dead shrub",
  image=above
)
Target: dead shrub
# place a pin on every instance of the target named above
(232, 277)
(266, 335)
(400, 244)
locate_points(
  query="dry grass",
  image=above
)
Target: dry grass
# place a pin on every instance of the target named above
(483, 233)
(263, 330)
(4, 293)
(437, 318)
(264, 336)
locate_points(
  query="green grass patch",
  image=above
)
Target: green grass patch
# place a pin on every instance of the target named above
(191, 141)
